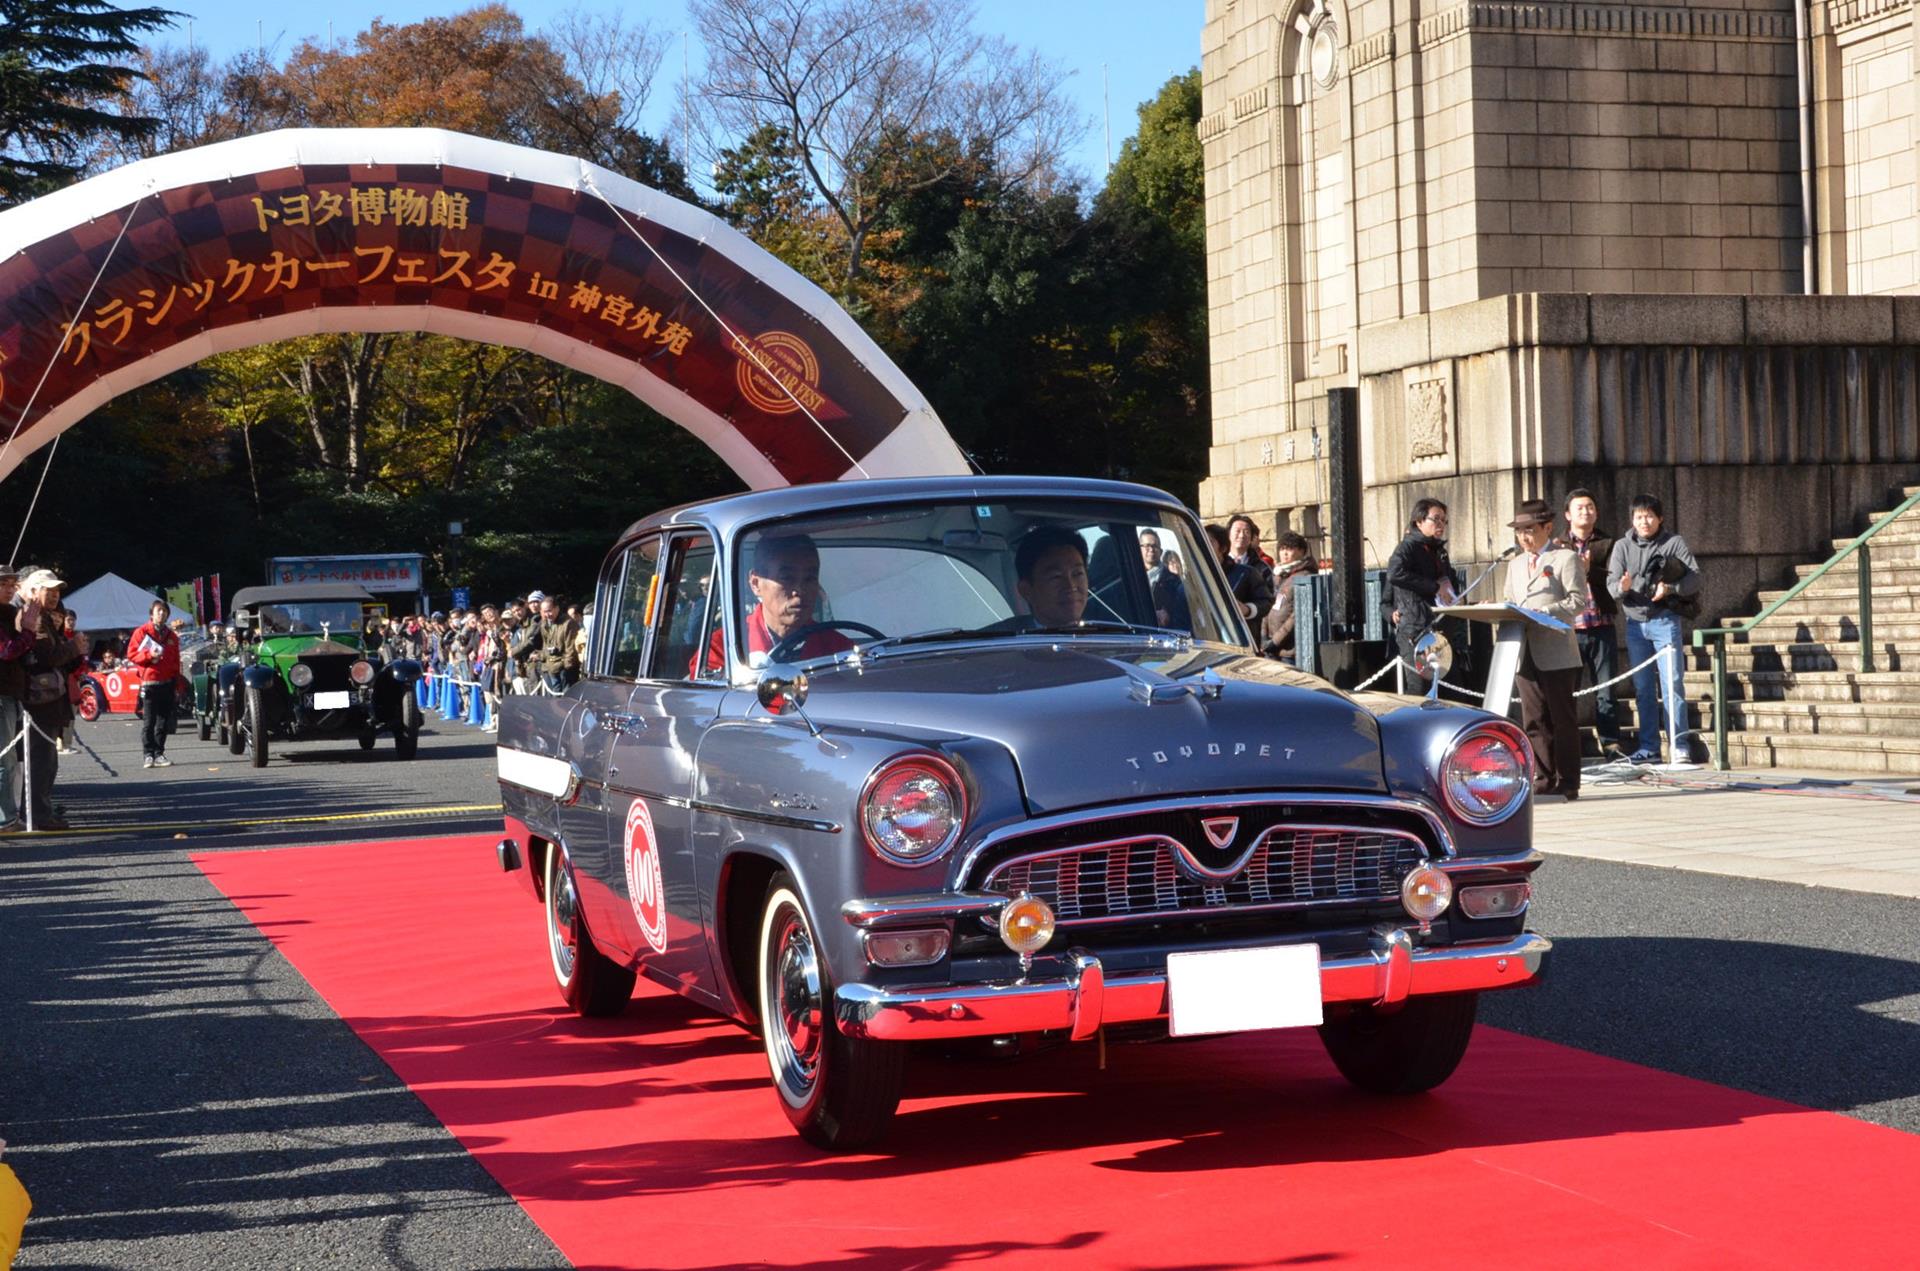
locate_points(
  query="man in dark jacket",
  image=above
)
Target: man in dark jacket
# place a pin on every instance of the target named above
(1651, 572)
(1420, 578)
(1243, 549)
(1252, 588)
(1593, 627)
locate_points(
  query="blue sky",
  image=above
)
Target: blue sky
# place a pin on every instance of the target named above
(1141, 42)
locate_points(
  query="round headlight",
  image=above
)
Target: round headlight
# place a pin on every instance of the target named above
(1487, 774)
(1026, 924)
(1426, 892)
(913, 809)
(300, 675)
(361, 672)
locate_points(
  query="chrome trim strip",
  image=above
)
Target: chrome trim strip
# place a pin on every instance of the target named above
(950, 904)
(1116, 811)
(769, 818)
(1525, 862)
(750, 814)
(632, 792)
(1085, 999)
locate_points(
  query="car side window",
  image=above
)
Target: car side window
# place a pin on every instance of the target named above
(688, 620)
(632, 613)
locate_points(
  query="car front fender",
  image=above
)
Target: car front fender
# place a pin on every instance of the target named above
(403, 671)
(260, 677)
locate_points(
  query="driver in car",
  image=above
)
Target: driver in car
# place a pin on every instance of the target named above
(1051, 568)
(785, 579)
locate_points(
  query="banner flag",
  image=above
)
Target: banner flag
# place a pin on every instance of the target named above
(216, 600)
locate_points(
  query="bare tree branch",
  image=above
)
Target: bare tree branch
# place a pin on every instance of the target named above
(881, 98)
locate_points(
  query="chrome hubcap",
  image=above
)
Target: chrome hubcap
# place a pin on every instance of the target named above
(561, 906)
(794, 1032)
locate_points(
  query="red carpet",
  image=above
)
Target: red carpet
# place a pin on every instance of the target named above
(654, 1141)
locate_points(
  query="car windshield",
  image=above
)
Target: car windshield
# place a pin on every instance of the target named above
(289, 617)
(909, 575)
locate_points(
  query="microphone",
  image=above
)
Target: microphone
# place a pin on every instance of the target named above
(1509, 554)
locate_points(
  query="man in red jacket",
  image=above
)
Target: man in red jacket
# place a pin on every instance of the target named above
(154, 651)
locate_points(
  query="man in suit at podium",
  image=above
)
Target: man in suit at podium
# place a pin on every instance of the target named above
(1549, 580)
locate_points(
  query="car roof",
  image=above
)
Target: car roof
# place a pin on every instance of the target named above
(249, 597)
(730, 513)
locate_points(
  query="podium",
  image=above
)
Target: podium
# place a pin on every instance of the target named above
(1509, 623)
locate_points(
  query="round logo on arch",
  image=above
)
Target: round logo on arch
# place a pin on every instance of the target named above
(646, 890)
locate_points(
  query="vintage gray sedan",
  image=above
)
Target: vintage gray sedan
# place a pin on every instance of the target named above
(884, 762)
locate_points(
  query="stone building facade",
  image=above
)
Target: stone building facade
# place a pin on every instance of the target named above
(1564, 243)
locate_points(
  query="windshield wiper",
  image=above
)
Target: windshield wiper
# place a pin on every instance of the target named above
(1101, 625)
(935, 637)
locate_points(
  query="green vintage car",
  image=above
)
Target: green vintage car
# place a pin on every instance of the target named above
(307, 675)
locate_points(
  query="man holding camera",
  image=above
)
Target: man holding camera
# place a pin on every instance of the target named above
(1653, 574)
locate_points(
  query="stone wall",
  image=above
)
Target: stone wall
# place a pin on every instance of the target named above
(1863, 80)
(1766, 424)
(1367, 161)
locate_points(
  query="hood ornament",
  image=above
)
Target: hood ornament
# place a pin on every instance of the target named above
(1152, 688)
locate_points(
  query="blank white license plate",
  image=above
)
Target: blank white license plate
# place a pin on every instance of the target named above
(332, 701)
(1238, 990)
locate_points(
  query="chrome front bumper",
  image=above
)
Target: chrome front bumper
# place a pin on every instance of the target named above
(1085, 999)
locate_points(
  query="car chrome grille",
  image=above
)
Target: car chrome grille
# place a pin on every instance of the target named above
(1152, 875)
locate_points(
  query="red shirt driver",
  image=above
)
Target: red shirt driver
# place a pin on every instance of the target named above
(785, 579)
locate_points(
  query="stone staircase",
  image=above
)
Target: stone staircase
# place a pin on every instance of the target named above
(1797, 697)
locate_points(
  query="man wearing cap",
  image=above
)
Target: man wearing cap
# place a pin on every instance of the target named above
(54, 652)
(524, 646)
(16, 640)
(1549, 580)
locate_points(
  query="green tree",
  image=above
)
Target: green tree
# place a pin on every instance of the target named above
(58, 78)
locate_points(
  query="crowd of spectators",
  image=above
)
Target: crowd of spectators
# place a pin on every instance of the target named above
(530, 644)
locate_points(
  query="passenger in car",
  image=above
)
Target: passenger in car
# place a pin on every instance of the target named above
(785, 579)
(1051, 568)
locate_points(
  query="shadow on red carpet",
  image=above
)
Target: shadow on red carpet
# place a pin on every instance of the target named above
(653, 1140)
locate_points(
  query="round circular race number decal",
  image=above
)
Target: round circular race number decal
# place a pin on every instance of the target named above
(645, 889)
(113, 684)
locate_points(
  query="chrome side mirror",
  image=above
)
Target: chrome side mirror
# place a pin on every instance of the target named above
(1432, 659)
(780, 695)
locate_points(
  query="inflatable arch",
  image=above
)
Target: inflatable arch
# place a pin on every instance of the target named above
(323, 230)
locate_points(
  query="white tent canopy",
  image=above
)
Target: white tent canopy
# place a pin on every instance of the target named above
(111, 603)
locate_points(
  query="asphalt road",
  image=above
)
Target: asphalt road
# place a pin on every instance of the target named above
(178, 1097)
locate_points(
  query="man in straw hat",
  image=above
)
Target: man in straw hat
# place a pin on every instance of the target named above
(1548, 580)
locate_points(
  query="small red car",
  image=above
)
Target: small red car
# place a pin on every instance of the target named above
(94, 692)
